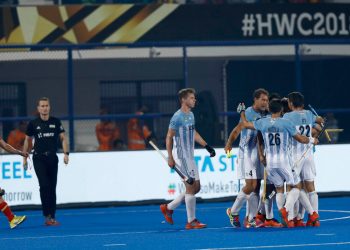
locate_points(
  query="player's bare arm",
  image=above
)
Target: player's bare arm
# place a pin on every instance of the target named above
(244, 121)
(237, 130)
(262, 156)
(233, 136)
(26, 150)
(319, 123)
(319, 120)
(198, 138)
(63, 139)
(11, 149)
(169, 146)
(248, 125)
(316, 130)
(305, 140)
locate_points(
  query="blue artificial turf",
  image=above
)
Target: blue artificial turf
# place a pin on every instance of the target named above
(141, 227)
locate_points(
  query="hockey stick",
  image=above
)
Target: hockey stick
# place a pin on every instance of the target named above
(189, 180)
(268, 194)
(314, 112)
(322, 124)
(263, 162)
(264, 189)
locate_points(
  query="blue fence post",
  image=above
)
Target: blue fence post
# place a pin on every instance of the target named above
(185, 66)
(298, 80)
(70, 88)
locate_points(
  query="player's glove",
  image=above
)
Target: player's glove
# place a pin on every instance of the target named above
(240, 107)
(211, 150)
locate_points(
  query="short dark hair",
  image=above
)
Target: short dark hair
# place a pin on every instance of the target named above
(274, 96)
(258, 92)
(297, 99)
(42, 99)
(285, 106)
(184, 92)
(275, 106)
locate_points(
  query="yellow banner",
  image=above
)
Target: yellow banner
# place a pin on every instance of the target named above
(78, 24)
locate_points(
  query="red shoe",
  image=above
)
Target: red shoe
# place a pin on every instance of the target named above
(299, 223)
(195, 224)
(51, 222)
(168, 214)
(258, 223)
(246, 222)
(261, 217)
(254, 223)
(272, 223)
(313, 220)
(314, 217)
(309, 223)
(284, 216)
(290, 224)
(317, 223)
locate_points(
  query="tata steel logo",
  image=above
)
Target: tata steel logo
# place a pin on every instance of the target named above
(205, 164)
(172, 188)
(217, 164)
(13, 170)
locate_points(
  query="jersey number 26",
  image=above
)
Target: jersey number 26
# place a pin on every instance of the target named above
(274, 139)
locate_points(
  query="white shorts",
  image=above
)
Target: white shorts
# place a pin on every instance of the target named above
(308, 170)
(280, 175)
(267, 179)
(250, 169)
(240, 169)
(188, 167)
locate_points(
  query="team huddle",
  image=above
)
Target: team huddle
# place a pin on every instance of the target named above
(276, 141)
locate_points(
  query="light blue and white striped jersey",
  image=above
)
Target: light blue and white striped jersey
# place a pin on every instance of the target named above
(248, 140)
(277, 134)
(303, 121)
(184, 126)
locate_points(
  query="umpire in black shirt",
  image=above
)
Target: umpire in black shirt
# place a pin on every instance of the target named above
(46, 130)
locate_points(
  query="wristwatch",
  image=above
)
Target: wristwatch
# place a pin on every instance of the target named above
(66, 153)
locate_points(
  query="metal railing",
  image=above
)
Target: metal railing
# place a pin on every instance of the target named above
(71, 116)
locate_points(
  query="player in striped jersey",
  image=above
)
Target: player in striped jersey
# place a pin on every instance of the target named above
(249, 165)
(303, 121)
(180, 142)
(277, 134)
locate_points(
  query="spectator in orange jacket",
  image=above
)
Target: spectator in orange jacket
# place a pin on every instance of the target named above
(138, 132)
(107, 133)
(17, 136)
